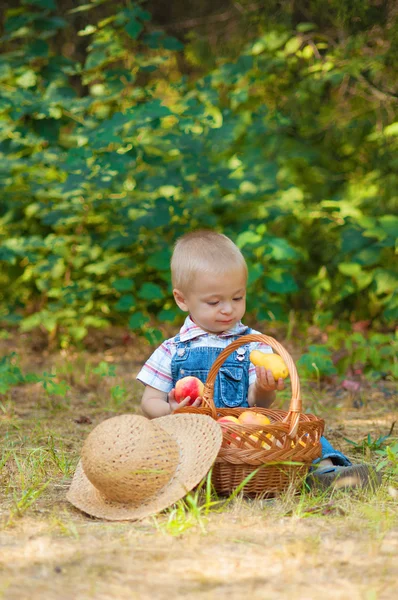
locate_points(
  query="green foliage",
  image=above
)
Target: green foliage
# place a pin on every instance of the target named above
(54, 385)
(368, 444)
(389, 459)
(10, 373)
(12, 376)
(316, 363)
(290, 149)
(375, 354)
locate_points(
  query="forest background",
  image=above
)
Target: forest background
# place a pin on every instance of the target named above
(127, 124)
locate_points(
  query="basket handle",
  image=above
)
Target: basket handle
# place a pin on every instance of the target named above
(295, 403)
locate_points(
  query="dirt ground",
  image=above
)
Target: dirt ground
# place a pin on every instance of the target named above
(338, 545)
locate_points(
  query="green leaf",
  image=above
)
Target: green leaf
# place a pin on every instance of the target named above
(7, 255)
(386, 281)
(78, 332)
(49, 4)
(124, 284)
(272, 311)
(125, 303)
(105, 369)
(138, 320)
(160, 260)
(350, 269)
(280, 283)
(96, 58)
(352, 239)
(390, 224)
(154, 336)
(255, 272)
(150, 291)
(293, 45)
(94, 321)
(304, 27)
(280, 249)
(27, 79)
(133, 28)
(354, 270)
(168, 314)
(317, 361)
(56, 389)
(118, 394)
(37, 49)
(368, 256)
(391, 129)
(171, 43)
(248, 238)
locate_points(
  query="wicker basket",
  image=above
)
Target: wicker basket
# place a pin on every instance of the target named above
(284, 449)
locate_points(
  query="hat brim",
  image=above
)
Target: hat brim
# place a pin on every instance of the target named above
(199, 439)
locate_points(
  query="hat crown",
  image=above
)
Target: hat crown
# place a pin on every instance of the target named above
(129, 458)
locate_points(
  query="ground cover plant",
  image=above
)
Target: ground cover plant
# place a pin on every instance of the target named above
(280, 547)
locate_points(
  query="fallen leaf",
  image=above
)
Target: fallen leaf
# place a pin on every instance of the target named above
(351, 386)
(82, 419)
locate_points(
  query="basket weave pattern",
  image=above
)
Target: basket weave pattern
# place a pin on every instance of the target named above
(283, 450)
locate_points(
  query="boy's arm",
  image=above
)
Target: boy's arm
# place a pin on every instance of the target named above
(155, 403)
(259, 397)
(262, 391)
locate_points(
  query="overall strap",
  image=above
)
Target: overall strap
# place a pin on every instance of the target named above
(242, 353)
(182, 350)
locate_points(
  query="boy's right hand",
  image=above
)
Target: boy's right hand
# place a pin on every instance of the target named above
(174, 404)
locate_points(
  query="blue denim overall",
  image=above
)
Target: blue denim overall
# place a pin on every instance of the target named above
(232, 382)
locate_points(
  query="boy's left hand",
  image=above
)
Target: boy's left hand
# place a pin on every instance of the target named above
(265, 380)
(174, 405)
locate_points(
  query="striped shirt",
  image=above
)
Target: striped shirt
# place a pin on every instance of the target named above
(156, 372)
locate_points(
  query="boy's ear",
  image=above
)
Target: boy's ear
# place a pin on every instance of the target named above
(180, 300)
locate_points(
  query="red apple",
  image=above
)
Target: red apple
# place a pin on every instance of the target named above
(188, 386)
(229, 419)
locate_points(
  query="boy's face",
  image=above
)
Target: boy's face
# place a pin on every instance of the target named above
(215, 302)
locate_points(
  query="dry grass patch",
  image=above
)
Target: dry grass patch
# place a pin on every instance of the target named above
(337, 545)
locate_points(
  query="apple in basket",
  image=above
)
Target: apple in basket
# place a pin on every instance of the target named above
(229, 419)
(250, 417)
(263, 444)
(188, 386)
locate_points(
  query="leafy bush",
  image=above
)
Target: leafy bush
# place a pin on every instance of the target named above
(106, 160)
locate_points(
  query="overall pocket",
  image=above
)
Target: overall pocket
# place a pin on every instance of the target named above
(233, 390)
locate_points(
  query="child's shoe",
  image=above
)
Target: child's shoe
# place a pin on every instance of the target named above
(337, 476)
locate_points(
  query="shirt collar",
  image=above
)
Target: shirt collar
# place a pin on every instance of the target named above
(190, 330)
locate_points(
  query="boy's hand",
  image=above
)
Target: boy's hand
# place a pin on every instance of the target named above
(266, 382)
(174, 404)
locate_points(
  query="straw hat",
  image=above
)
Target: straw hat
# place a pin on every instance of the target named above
(132, 467)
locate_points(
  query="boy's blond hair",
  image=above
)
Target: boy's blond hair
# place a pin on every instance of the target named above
(203, 251)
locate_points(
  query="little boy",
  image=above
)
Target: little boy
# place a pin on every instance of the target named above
(209, 277)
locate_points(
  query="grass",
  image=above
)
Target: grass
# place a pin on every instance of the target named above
(203, 546)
